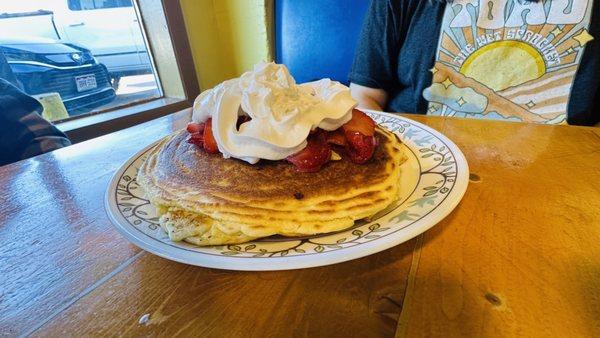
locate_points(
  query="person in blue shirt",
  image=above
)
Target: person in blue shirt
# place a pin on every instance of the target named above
(530, 61)
(23, 131)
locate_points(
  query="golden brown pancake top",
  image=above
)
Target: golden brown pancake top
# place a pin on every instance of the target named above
(182, 163)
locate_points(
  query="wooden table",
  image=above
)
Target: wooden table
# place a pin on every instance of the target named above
(520, 256)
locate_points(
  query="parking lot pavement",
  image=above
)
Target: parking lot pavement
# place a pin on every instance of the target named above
(136, 84)
(132, 89)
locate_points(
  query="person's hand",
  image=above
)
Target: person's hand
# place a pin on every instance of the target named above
(368, 98)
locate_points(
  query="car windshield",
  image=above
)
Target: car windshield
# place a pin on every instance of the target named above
(73, 60)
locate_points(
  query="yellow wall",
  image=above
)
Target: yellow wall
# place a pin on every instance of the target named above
(227, 37)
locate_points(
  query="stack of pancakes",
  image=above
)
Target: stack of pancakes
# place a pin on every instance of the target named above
(205, 199)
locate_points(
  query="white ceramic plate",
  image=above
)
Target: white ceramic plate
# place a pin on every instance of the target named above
(434, 179)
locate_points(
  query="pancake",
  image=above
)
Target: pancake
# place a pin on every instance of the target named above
(206, 199)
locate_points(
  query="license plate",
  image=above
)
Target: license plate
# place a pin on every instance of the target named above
(86, 82)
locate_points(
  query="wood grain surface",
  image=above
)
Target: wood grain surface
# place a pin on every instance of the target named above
(57, 241)
(520, 256)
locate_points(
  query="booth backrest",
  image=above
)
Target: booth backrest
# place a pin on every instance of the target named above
(317, 39)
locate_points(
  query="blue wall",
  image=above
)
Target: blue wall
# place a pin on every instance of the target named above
(317, 38)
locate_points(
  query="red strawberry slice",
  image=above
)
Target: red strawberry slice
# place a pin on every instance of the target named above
(210, 145)
(196, 131)
(197, 139)
(193, 127)
(361, 123)
(336, 137)
(360, 148)
(314, 156)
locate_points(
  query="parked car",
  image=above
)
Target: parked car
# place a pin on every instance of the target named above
(108, 28)
(43, 65)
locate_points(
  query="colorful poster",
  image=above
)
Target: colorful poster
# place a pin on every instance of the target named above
(508, 59)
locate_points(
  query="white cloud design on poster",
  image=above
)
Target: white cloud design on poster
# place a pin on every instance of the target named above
(460, 99)
(462, 18)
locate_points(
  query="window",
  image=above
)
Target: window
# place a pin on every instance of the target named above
(94, 64)
(82, 5)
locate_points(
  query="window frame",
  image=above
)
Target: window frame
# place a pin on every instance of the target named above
(171, 49)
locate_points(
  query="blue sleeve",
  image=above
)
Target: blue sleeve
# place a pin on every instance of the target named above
(376, 54)
(23, 132)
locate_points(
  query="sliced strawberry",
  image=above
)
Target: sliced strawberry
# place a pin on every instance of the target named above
(210, 145)
(194, 127)
(197, 139)
(336, 137)
(314, 156)
(360, 148)
(361, 123)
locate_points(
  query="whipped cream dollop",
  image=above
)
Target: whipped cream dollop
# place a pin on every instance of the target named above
(282, 113)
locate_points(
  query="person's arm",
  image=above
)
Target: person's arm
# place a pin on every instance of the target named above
(373, 72)
(368, 98)
(23, 132)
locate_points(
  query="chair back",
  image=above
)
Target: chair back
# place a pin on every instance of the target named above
(317, 39)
